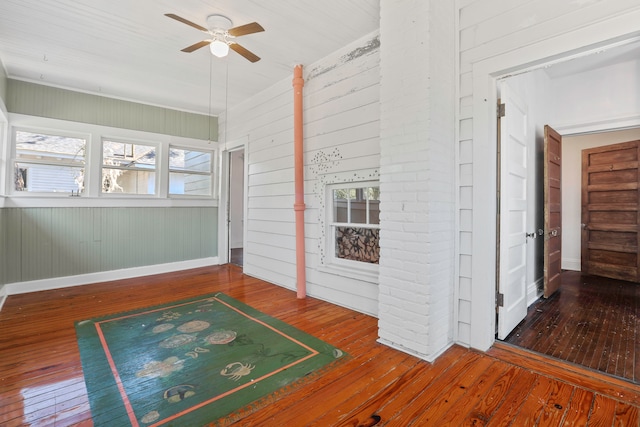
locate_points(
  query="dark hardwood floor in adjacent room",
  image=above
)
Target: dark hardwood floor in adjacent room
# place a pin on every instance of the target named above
(42, 384)
(237, 256)
(592, 321)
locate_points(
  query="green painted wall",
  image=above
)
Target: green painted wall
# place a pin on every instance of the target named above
(3, 250)
(3, 83)
(46, 101)
(43, 243)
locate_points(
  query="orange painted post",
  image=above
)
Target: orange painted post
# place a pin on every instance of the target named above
(299, 206)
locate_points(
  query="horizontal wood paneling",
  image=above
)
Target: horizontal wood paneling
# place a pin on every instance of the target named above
(46, 101)
(44, 243)
(341, 133)
(528, 25)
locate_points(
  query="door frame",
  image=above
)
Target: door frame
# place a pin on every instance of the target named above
(223, 205)
(483, 134)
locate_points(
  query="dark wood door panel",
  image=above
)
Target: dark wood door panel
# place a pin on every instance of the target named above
(624, 152)
(552, 210)
(610, 215)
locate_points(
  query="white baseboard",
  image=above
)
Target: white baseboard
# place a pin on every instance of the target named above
(429, 358)
(571, 264)
(102, 276)
(533, 292)
(3, 295)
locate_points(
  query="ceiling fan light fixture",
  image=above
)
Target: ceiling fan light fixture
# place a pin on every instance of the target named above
(219, 48)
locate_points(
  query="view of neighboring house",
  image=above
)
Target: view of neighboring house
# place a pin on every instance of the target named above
(400, 168)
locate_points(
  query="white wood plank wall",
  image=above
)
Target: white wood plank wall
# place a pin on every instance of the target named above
(341, 141)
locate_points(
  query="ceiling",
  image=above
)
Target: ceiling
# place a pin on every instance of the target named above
(128, 49)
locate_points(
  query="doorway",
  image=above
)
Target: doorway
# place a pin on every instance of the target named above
(545, 107)
(236, 207)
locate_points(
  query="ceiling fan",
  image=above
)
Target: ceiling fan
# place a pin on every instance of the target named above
(222, 36)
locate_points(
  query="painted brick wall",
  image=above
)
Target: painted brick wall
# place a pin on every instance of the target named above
(417, 175)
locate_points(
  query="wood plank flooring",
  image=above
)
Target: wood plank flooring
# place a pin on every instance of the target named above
(41, 382)
(592, 321)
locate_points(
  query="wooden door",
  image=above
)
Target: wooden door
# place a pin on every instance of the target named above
(610, 229)
(552, 211)
(512, 242)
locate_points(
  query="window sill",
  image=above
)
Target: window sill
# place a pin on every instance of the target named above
(365, 275)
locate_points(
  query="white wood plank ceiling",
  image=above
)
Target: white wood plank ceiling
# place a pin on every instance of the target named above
(129, 50)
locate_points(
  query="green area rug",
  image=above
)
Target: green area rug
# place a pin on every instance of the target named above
(204, 361)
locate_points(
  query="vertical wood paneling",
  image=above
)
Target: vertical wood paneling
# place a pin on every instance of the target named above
(37, 250)
(3, 84)
(3, 246)
(45, 101)
(13, 244)
(43, 243)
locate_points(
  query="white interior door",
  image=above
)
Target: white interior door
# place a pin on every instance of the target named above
(512, 255)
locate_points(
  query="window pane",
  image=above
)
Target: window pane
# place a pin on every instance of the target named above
(128, 155)
(358, 244)
(128, 168)
(340, 205)
(189, 160)
(54, 149)
(189, 184)
(358, 212)
(373, 195)
(128, 181)
(35, 177)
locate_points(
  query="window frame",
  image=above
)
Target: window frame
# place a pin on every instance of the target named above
(210, 173)
(92, 195)
(11, 166)
(359, 269)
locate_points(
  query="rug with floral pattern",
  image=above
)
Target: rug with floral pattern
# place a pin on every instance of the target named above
(203, 361)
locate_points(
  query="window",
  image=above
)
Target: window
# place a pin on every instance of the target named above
(48, 163)
(78, 159)
(354, 223)
(190, 172)
(128, 168)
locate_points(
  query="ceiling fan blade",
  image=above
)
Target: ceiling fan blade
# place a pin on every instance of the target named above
(196, 46)
(185, 21)
(244, 52)
(242, 30)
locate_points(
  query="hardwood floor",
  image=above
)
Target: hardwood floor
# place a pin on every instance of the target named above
(592, 321)
(41, 382)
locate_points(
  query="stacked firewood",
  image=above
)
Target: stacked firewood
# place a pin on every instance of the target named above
(359, 244)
